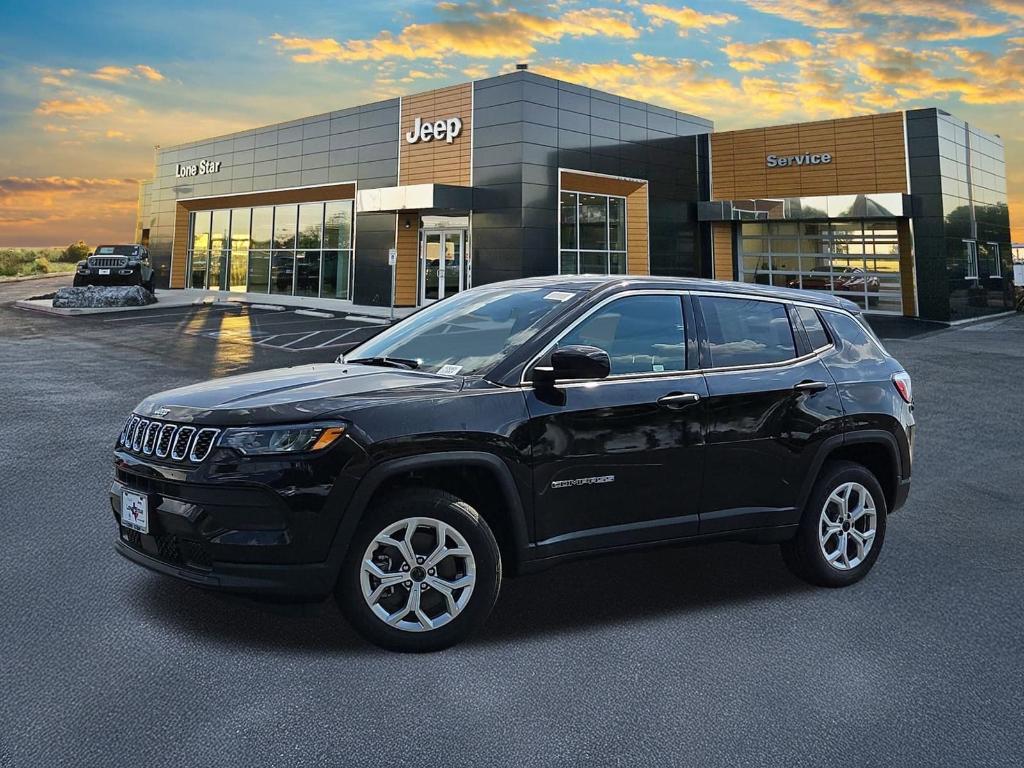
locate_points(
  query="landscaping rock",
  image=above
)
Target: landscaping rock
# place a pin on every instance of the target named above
(92, 296)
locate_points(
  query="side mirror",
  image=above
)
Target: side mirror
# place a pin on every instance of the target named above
(89, 255)
(574, 362)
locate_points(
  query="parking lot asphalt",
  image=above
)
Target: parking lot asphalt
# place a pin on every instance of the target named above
(712, 656)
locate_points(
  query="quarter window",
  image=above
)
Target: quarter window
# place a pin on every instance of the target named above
(641, 334)
(815, 331)
(747, 332)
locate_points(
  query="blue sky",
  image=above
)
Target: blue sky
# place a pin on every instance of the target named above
(87, 89)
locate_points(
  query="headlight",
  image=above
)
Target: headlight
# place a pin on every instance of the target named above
(257, 441)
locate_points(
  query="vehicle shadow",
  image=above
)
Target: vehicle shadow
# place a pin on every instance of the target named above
(617, 589)
(572, 597)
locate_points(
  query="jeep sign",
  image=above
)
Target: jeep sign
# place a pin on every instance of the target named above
(774, 161)
(441, 129)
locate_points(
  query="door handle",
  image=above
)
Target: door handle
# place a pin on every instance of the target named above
(810, 386)
(678, 399)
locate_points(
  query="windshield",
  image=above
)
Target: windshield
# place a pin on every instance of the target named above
(466, 334)
(117, 250)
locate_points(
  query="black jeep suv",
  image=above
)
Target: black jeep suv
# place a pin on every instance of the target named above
(116, 265)
(513, 426)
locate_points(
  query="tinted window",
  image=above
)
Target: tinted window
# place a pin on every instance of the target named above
(857, 343)
(747, 332)
(641, 334)
(816, 334)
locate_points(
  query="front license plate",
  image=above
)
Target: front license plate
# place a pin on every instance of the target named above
(135, 511)
(104, 271)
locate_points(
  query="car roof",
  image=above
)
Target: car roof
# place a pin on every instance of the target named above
(612, 283)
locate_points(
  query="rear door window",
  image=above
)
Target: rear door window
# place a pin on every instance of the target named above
(641, 334)
(746, 331)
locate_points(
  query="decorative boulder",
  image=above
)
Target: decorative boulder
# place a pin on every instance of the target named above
(93, 296)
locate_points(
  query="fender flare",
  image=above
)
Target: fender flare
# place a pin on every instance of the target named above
(380, 473)
(867, 436)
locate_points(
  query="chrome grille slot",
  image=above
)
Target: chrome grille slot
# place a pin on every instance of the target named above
(149, 441)
(140, 433)
(203, 444)
(128, 430)
(115, 262)
(163, 445)
(129, 433)
(182, 442)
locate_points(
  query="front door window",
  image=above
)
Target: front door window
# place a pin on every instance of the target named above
(441, 264)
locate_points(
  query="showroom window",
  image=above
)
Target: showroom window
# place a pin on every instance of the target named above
(293, 250)
(592, 234)
(858, 259)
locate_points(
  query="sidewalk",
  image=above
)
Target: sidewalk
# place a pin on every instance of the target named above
(180, 298)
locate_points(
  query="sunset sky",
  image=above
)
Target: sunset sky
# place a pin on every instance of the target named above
(88, 88)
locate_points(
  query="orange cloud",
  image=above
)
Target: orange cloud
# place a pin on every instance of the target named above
(685, 18)
(57, 210)
(116, 74)
(932, 20)
(488, 35)
(754, 56)
(73, 106)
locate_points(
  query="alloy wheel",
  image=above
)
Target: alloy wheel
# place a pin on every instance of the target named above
(846, 528)
(417, 574)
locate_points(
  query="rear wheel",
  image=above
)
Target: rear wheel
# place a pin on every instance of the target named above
(842, 528)
(422, 572)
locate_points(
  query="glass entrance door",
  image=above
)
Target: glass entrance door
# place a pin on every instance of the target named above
(441, 260)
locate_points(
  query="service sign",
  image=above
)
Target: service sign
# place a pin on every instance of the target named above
(780, 161)
(200, 169)
(424, 130)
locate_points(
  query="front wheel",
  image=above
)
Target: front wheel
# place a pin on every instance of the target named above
(842, 528)
(422, 572)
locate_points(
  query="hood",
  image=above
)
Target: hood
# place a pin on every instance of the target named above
(293, 395)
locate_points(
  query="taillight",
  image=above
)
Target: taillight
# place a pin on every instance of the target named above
(902, 383)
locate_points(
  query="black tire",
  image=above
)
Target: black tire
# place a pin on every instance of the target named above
(77, 282)
(148, 286)
(424, 503)
(803, 554)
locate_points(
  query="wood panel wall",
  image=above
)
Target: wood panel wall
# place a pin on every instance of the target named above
(868, 156)
(638, 261)
(908, 281)
(179, 246)
(721, 248)
(407, 242)
(437, 161)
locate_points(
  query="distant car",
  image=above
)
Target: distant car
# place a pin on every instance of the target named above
(846, 279)
(116, 265)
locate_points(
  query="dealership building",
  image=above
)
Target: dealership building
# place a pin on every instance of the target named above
(904, 213)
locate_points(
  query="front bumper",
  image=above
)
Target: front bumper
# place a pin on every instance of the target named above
(297, 582)
(116, 277)
(258, 527)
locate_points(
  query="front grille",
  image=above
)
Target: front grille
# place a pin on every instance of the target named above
(107, 262)
(164, 440)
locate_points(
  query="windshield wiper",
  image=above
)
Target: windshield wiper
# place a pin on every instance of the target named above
(388, 362)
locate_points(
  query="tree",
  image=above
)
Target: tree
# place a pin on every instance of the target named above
(76, 251)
